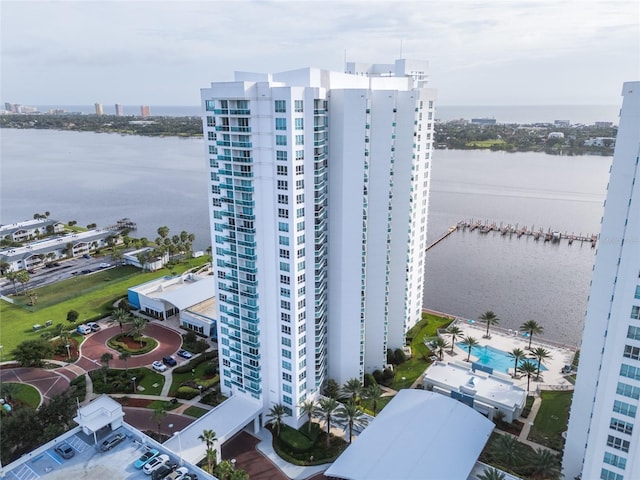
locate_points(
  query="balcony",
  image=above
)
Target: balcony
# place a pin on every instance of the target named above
(240, 111)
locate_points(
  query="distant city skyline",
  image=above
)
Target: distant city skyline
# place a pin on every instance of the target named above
(160, 53)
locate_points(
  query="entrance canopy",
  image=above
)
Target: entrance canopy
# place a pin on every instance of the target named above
(419, 435)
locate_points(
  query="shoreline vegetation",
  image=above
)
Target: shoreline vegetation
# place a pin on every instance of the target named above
(458, 134)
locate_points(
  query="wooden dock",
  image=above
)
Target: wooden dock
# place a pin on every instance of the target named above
(442, 237)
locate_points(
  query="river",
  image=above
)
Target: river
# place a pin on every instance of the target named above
(93, 177)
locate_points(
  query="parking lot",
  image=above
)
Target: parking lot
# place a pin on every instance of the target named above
(89, 462)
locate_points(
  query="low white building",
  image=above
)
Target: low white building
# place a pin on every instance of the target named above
(23, 231)
(189, 296)
(143, 259)
(36, 254)
(600, 142)
(487, 393)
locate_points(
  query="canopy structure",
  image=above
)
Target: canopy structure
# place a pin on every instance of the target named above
(419, 435)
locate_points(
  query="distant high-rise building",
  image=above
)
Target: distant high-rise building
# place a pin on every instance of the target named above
(603, 441)
(119, 110)
(318, 198)
(145, 111)
(99, 110)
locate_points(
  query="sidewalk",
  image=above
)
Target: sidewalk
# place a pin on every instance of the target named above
(295, 472)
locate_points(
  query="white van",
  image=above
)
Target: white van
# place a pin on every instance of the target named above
(83, 329)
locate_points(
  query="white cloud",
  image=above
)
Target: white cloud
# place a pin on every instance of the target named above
(163, 52)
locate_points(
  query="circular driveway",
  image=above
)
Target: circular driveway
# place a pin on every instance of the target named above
(169, 342)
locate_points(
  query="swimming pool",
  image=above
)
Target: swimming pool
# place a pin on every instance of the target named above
(499, 360)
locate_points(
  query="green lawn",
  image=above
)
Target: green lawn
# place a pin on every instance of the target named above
(151, 377)
(367, 406)
(92, 296)
(552, 419)
(26, 394)
(413, 368)
(196, 412)
(178, 378)
(163, 404)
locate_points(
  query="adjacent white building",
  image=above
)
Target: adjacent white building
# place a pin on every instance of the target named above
(603, 440)
(318, 201)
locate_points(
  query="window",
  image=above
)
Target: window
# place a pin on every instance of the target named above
(281, 155)
(284, 199)
(281, 106)
(286, 329)
(286, 377)
(281, 140)
(628, 391)
(300, 212)
(633, 333)
(299, 154)
(618, 443)
(285, 279)
(282, 240)
(621, 426)
(285, 317)
(299, 169)
(281, 123)
(299, 139)
(285, 304)
(286, 353)
(635, 312)
(629, 371)
(608, 475)
(286, 365)
(637, 295)
(299, 124)
(283, 184)
(300, 253)
(285, 292)
(286, 399)
(281, 170)
(300, 226)
(283, 226)
(632, 352)
(286, 388)
(300, 184)
(624, 408)
(298, 106)
(300, 198)
(283, 213)
(284, 267)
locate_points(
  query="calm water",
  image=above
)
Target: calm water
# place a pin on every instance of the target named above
(584, 114)
(100, 178)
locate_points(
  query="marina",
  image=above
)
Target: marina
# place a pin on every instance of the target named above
(548, 235)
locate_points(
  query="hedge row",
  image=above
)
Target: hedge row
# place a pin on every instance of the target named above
(194, 362)
(149, 345)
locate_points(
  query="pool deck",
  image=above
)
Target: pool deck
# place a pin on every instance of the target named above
(551, 379)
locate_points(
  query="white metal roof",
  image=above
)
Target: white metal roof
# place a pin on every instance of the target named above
(225, 420)
(419, 435)
(99, 413)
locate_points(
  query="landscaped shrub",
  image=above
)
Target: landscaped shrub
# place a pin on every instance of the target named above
(527, 406)
(186, 393)
(377, 374)
(117, 344)
(194, 362)
(118, 381)
(399, 357)
(369, 379)
(211, 369)
(387, 376)
(78, 388)
(390, 358)
(293, 440)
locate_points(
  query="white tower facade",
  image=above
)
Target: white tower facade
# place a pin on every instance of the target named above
(318, 198)
(603, 440)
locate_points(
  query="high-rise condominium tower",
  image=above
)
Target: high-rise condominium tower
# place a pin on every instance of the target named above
(318, 203)
(603, 440)
(119, 110)
(99, 109)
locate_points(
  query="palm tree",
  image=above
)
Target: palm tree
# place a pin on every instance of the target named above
(224, 470)
(158, 415)
(124, 356)
(276, 416)
(105, 358)
(121, 316)
(531, 327)
(352, 389)
(350, 416)
(138, 324)
(491, 474)
(517, 354)
(209, 438)
(542, 464)
(540, 354)
(489, 318)
(506, 450)
(440, 344)
(325, 410)
(528, 368)
(373, 393)
(455, 332)
(308, 407)
(469, 342)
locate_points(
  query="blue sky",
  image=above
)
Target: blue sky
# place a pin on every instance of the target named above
(513, 52)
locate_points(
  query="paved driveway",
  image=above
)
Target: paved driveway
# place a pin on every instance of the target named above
(48, 382)
(242, 447)
(95, 345)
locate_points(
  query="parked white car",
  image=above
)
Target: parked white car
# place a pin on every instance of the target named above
(83, 329)
(155, 463)
(159, 366)
(178, 474)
